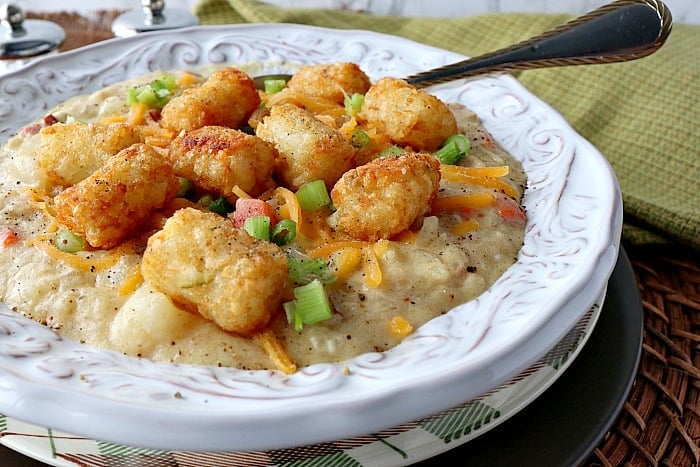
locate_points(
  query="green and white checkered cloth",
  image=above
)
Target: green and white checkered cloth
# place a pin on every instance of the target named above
(644, 115)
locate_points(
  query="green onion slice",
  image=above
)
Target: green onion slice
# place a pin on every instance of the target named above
(304, 269)
(258, 227)
(220, 206)
(284, 232)
(69, 242)
(392, 151)
(273, 86)
(155, 94)
(290, 309)
(310, 305)
(313, 195)
(353, 103)
(186, 189)
(360, 139)
(205, 200)
(453, 149)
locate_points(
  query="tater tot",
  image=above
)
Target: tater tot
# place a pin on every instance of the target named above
(330, 80)
(409, 116)
(217, 159)
(114, 201)
(206, 265)
(226, 98)
(69, 153)
(385, 196)
(308, 148)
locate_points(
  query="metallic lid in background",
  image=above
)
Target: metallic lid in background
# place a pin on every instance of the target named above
(24, 38)
(153, 16)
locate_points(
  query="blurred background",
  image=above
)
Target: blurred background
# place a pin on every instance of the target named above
(684, 11)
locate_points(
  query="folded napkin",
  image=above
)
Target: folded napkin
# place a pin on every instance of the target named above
(644, 115)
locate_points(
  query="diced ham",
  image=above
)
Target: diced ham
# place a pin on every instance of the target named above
(251, 207)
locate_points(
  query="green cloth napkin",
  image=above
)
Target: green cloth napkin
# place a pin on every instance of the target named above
(642, 115)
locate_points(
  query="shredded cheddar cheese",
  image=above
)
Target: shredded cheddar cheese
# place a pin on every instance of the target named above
(347, 261)
(465, 227)
(187, 80)
(287, 199)
(277, 353)
(381, 247)
(238, 191)
(399, 326)
(315, 104)
(325, 251)
(372, 268)
(351, 252)
(131, 282)
(85, 264)
(457, 202)
(481, 176)
(348, 128)
(137, 113)
(456, 173)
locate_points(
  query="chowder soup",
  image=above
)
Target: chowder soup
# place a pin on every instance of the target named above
(132, 217)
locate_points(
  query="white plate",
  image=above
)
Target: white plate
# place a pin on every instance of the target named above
(571, 245)
(401, 445)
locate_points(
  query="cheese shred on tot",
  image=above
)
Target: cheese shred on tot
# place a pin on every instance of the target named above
(187, 216)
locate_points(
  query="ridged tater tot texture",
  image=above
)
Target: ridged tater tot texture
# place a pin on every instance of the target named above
(226, 98)
(330, 80)
(206, 265)
(308, 148)
(217, 159)
(71, 152)
(384, 197)
(409, 116)
(114, 201)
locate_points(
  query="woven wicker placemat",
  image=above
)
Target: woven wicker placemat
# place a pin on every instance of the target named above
(660, 421)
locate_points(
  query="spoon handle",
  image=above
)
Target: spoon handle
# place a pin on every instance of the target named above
(619, 31)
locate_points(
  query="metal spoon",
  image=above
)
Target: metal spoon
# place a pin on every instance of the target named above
(619, 31)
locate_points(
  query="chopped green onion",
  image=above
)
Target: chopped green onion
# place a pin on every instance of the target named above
(392, 151)
(273, 86)
(283, 232)
(205, 200)
(310, 305)
(303, 269)
(258, 227)
(186, 189)
(312, 302)
(353, 104)
(454, 149)
(220, 206)
(290, 310)
(165, 82)
(313, 195)
(360, 139)
(155, 94)
(69, 242)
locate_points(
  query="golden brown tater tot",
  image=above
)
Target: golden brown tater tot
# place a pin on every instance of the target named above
(385, 196)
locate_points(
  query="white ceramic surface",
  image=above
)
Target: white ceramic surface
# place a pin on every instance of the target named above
(571, 246)
(400, 445)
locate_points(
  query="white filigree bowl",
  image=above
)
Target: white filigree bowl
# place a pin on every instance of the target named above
(571, 245)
